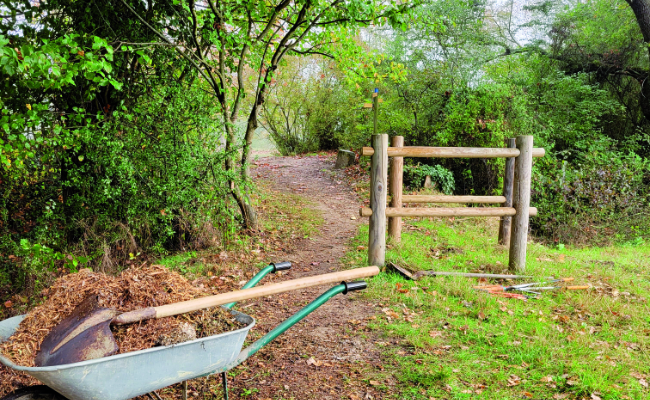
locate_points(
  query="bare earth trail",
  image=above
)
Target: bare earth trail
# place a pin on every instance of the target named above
(327, 355)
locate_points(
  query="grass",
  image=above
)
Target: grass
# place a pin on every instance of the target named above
(454, 342)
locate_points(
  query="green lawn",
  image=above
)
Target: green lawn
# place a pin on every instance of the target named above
(454, 342)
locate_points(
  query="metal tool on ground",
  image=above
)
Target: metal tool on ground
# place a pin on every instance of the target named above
(124, 376)
(533, 288)
(86, 334)
(419, 274)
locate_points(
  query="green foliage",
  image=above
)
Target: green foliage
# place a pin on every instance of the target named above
(415, 176)
(312, 112)
(603, 199)
(94, 169)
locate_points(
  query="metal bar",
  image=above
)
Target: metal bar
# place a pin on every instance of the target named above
(288, 323)
(254, 281)
(155, 396)
(452, 152)
(224, 382)
(448, 212)
(375, 110)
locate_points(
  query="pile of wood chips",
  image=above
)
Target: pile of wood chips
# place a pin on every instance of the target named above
(134, 288)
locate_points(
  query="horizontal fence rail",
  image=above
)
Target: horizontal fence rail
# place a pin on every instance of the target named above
(450, 212)
(453, 199)
(452, 152)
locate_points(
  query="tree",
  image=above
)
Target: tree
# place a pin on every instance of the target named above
(230, 42)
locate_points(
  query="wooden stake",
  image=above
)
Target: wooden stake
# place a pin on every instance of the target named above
(378, 186)
(508, 182)
(521, 203)
(395, 190)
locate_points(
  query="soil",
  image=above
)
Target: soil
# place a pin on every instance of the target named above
(326, 354)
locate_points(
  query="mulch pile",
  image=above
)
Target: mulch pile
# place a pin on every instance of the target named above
(134, 288)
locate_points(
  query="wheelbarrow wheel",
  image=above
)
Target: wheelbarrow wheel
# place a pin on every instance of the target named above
(39, 392)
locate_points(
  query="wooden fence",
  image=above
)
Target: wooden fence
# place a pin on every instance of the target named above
(514, 213)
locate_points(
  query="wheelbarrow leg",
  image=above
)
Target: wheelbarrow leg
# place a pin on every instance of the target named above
(224, 381)
(184, 390)
(154, 396)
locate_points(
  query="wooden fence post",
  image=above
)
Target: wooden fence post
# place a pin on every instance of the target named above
(395, 190)
(508, 182)
(521, 203)
(378, 186)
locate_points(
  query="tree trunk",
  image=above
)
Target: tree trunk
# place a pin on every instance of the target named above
(248, 212)
(641, 10)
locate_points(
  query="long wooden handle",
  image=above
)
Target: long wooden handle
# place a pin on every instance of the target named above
(239, 295)
(576, 287)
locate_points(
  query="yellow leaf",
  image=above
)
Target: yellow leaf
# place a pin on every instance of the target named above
(29, 106)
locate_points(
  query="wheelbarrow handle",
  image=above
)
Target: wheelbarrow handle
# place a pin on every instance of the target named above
(273, 267)
(344, 287)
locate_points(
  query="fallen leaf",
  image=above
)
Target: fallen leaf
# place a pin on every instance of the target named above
(595, 397)
(435, 334)
(547, 379)
(375, 383)
(527, 394)
(560, 396)
(572, 381)
(481, 316)
(514, 380)
(312, 361)
(8, 304)
(643, 383)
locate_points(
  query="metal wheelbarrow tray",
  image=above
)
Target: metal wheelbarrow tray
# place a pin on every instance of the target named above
(124, 376)
(128, 375)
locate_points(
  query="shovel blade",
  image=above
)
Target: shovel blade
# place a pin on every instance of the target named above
(83, 335)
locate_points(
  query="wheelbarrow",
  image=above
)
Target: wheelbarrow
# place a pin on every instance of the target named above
(124, 376)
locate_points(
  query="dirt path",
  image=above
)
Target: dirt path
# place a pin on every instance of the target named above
(324, 355)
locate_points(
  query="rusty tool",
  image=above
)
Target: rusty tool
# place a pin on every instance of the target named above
(86, 335)
(530, 287)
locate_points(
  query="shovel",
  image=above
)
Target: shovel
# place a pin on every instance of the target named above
(86, 334)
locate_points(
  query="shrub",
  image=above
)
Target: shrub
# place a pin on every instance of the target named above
(415, 175)
(604, 198)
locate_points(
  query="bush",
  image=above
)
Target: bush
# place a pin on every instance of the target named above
(604, 199)
(309, 113)
(415, 175)
(148, 177)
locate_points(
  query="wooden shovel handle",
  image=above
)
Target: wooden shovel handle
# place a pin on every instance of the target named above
(576, 287)
(239, 295)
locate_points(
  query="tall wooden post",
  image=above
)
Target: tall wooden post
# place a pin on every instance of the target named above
(378, 187)
(508, 183)
(521, 203)
(395, 190)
